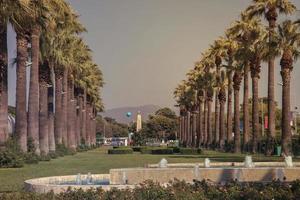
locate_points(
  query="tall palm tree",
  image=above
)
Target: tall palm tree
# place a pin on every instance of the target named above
(270, 9)
(218, 52)
(242, 31)
(230, 46)
(237, 79)
(222, 99)
(258, 53)
(289, 42)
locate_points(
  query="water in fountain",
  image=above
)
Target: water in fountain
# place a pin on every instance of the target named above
(163, 163)
(206, 163)
(248, 163)
(78, 179)
(288, 161)
(124, 178)
(196, 171)
(89, 179)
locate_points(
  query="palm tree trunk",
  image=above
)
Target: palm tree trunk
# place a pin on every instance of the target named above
(222, 99)
(217, 118)
(255, 70)
(21, 114)
(33, 100)
(71, 117)
(194, 133)
(58, 120)
(3, 85)
(43, 118)
(205, 123)
(209, 123)
(83, 121)
(51, 135)
(246, 109)
(237, 140)
(188, 129)
(229, 109)
(65, 108)
(271, 89)
(78, 118)
(200, 125)
(286, 69)
(88, 125)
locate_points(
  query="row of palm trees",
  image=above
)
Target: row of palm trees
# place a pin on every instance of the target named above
(219, 74)
(65, 83)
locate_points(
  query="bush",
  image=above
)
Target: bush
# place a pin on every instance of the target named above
(296, 147)
(176, 190)
(146, 150)
(10, 159)
(53, 154)
(162, 151)
(136, 149)
(120, 151)
(176, 150)
(190, 151)
(31, 158)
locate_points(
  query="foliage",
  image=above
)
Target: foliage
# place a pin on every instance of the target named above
(120, 151)
(190, 151)
(9, 159)
(162, 151)
(112, 127)
(176, 190)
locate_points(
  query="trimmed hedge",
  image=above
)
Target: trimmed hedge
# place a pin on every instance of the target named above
(177, 190)
(136, 149)
(162, 151)
(190, 151)
(120, 151)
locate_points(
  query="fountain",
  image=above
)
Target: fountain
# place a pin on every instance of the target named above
(89, 179)
(78, 179)
(162, 172)
(163, 163)
(288, 161)
(248, 163)
(207, 163)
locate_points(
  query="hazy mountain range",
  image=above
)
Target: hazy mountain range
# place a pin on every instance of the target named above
(120, 113)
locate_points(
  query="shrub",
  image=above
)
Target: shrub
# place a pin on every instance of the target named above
(190, 151)
(53, 154)
(10, 159)
(162, 151)
(31, 158)
(120, 151)
(296, 147)
(146, 150)
(136, 149)
(176, 150)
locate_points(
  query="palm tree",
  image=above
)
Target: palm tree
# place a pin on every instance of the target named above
(242, 31)
(218, 52)
(289, 42)
(258, 52)
(222, 99)
(237, 79)
(44, 81)
(230, 46)
(270, 9)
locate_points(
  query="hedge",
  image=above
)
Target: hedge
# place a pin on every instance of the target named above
(178, 190)
(162, 151)
(136, 149)
(120, 151)
(190, 151)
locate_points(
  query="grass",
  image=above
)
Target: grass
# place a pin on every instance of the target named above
(98, 161)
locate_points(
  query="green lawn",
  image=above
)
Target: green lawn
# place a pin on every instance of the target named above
(98, 161)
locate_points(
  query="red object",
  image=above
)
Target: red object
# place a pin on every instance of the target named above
(266, 122)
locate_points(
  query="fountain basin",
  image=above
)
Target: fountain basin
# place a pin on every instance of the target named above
(59, 184)
(130, 177)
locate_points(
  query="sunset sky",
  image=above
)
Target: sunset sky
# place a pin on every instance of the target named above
(145, 47)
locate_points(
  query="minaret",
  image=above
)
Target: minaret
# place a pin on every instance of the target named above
(138, 122)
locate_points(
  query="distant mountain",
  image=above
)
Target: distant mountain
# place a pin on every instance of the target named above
(120, 113)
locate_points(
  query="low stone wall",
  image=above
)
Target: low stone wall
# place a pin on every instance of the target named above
(164, 175)
(48, 184)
